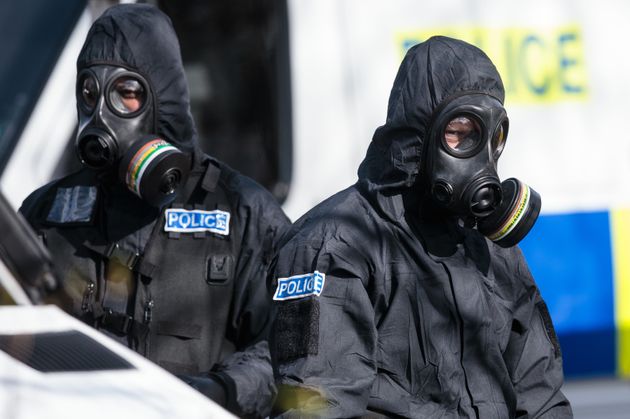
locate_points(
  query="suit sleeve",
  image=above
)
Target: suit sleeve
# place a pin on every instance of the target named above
(323, 347)
(534, 359)
(248, 372)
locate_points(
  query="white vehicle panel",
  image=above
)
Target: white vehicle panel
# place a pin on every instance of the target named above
(144, 391)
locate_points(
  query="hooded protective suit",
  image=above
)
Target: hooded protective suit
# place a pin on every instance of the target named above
(191, 299)
(387, 305)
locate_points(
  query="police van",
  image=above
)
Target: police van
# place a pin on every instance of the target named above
(290, 92)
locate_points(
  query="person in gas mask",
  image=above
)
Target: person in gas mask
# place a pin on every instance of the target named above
(157, 244)
(406, 295)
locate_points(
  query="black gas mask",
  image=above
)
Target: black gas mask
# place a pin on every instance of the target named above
(466, 138)
(117, 114)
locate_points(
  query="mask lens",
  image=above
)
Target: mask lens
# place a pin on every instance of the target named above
(498, 141)
(89, 92)
(462, 134)
(127, 95)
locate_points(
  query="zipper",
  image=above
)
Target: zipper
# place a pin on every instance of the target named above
(88, 296)
(146, 319)
(148, 311)
(460, 329)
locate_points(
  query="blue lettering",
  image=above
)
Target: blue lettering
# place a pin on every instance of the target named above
(528, 42)
(509, 79)
(408, 43)
(566, 63)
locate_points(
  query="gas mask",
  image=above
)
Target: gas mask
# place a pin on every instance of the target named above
(466, 138)
(117, 114)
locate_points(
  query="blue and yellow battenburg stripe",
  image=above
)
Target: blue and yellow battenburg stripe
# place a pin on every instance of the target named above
(620, 227)
(142, 159)
(581, 263)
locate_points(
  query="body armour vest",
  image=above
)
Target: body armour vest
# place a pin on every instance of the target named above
(162, 286)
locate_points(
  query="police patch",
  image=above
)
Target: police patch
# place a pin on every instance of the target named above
(192, 221)
(299, 286)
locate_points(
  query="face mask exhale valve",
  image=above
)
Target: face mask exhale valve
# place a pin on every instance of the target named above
(483, 197)
(466, 139)
(97, 149)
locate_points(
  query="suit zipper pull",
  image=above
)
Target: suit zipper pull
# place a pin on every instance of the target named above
(148, 311)
(87, 296)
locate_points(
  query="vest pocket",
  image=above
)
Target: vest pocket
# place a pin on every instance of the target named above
(219, 269)
(179, 329)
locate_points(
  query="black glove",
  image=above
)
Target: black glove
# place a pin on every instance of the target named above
(207, 386)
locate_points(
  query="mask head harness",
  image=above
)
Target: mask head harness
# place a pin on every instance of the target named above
(465, 140)
(117, 116)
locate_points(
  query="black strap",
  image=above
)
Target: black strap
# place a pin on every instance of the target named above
(210, 178)
(115, 322)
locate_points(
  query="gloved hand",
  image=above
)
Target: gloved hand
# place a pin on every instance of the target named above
(207, 386)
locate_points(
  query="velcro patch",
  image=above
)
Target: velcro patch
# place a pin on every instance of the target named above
(299, 286)
(192, 221)
(295, 333)
(73, 205)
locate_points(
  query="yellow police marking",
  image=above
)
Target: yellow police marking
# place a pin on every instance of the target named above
(620, 231)
(537, 65)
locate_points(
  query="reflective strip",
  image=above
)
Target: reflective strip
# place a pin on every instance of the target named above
(620, 229)
(73, 205)
(515, 216)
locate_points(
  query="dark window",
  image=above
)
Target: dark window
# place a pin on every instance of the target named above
(61, 352)
(236, 54)
(32, 35)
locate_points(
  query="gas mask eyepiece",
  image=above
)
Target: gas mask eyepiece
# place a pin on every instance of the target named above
(154, 170)
(515, 217)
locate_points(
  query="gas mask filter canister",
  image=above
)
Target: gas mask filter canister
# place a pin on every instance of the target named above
(514, 217)
(154, 170)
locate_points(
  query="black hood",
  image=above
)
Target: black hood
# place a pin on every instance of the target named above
(141, 38)
(431, 73)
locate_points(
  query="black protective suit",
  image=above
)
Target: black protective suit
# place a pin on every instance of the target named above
(418, 316)
(192, 302)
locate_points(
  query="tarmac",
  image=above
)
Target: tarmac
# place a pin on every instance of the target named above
(601, 398)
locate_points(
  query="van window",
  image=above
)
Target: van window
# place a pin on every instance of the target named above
(236, 55)
(32, 35)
